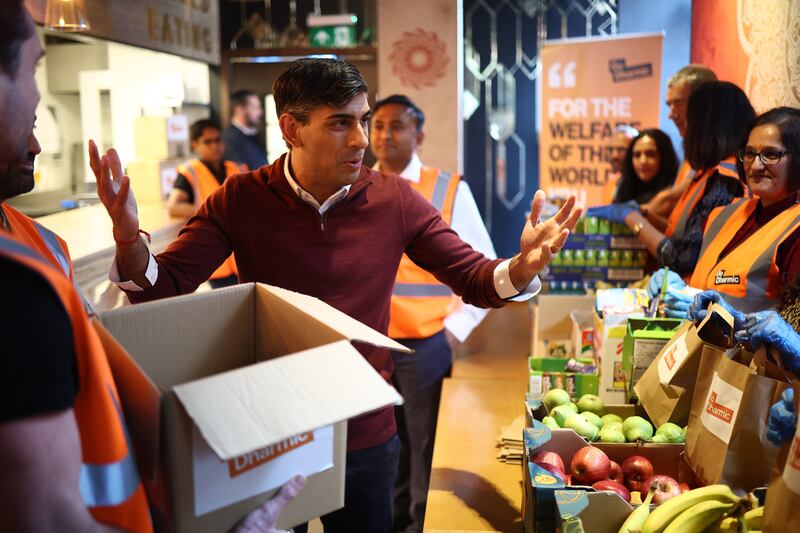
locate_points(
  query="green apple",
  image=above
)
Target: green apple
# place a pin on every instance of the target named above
(550, 422)
(613, 425)
(561, 413)
(555, 397)
(574, 407)
(593, 418)
(580, 425)
(611, 418)
(660, 439)
(590, 402)
(672, 432)
(684, 432)
(637, 428)
(611, 435)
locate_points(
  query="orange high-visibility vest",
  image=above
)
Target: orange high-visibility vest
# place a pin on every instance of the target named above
(204, 183)
(420, 302)
(679, 218)
(47, 243)
(109, 482)
(748, 275)
(685, 172)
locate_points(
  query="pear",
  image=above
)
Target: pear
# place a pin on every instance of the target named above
(580, 425)
(593, 418)
(672, 432)
(550, 422)
(611, 435)
(637, 428)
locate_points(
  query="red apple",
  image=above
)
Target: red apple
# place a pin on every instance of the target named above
(616, 473)
(637, 470)
(665, 488)
(548, 457)
(607, 484)
(553, 469)
(589, 464)
(684, 487)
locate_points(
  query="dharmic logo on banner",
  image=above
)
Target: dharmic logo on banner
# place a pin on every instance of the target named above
(621, 72)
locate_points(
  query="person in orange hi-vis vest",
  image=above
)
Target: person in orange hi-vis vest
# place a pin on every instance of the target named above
(65, 454)
(200, 177)
(425, 315)
(719, 114)
(18, 179)
(679, 87)
(751, 248)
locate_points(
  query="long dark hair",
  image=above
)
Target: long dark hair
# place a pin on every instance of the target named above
(717, 116)
(631, 187)
(787, 120)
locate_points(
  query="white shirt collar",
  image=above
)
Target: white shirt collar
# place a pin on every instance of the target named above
(245, 129)
(411, 172)
(305, 195)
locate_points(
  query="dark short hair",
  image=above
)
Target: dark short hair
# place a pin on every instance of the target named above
(240, 98)
(405, 101)
(717, 116)
(198, 127)
(631, 186)
(14, 31)
(310, 83)
(787, 120)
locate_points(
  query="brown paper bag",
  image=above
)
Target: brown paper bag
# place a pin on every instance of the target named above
(782, 509)
(665, 389)
(726, 441)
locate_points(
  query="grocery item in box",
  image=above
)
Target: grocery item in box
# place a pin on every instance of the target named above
(644, 340)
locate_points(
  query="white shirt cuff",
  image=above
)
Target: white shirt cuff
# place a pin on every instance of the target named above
(505, 289)
(151, 274)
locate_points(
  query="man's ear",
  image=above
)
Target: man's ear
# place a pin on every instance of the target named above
(420, 137)
(291, 130)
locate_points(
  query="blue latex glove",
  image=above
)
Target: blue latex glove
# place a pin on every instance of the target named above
(676, 303)
(699, 308)
(613, 212)
(674, 281)
(770, 329)
(782, 420)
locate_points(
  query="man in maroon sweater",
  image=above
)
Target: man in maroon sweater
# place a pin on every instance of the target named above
(318, 222)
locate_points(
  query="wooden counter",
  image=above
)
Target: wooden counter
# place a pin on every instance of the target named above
(470, 489)
(87, 232)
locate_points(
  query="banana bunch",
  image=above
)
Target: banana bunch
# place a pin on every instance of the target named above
(754, 520)
(693, 511)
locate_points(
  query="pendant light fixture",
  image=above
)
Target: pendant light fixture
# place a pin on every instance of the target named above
(66, 15)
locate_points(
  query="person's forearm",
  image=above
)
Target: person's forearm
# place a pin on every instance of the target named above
(649, 235)
(658, 222)
(182, 209)
(132, 263)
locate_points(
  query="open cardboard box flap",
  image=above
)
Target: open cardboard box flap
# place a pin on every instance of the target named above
(246, 409)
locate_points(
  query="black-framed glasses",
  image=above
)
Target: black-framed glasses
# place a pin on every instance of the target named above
(768, 157)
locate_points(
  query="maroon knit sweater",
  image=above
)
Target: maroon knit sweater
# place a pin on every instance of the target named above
(348, 259)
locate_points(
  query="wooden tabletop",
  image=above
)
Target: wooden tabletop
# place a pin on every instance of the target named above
(470, 489)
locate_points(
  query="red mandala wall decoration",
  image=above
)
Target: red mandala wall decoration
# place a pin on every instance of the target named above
(419, 59)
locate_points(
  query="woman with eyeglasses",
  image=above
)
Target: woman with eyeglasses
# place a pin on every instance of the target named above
(751, 248)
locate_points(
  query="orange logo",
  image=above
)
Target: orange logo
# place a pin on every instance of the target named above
(244, 463)
(794, 460)
(669, 357)
(718, 410)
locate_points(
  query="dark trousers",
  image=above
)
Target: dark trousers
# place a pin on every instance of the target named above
(223, 282)
(418, 377)
(369, 482)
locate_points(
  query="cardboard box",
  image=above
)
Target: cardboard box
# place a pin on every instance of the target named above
(644, 340)
(153, 180)
(547, 373)
(226, 429)
(608, 338)
(551, 319)
(161, 137)
(540, 486)
(582, 333)
(598, 512)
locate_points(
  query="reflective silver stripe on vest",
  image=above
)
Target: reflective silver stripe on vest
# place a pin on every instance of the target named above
(440, 190)
(421, 290)
(12, 246)
(680, 227)
(729, 166)
(110, 484)
(714, 228)
(51, 240)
